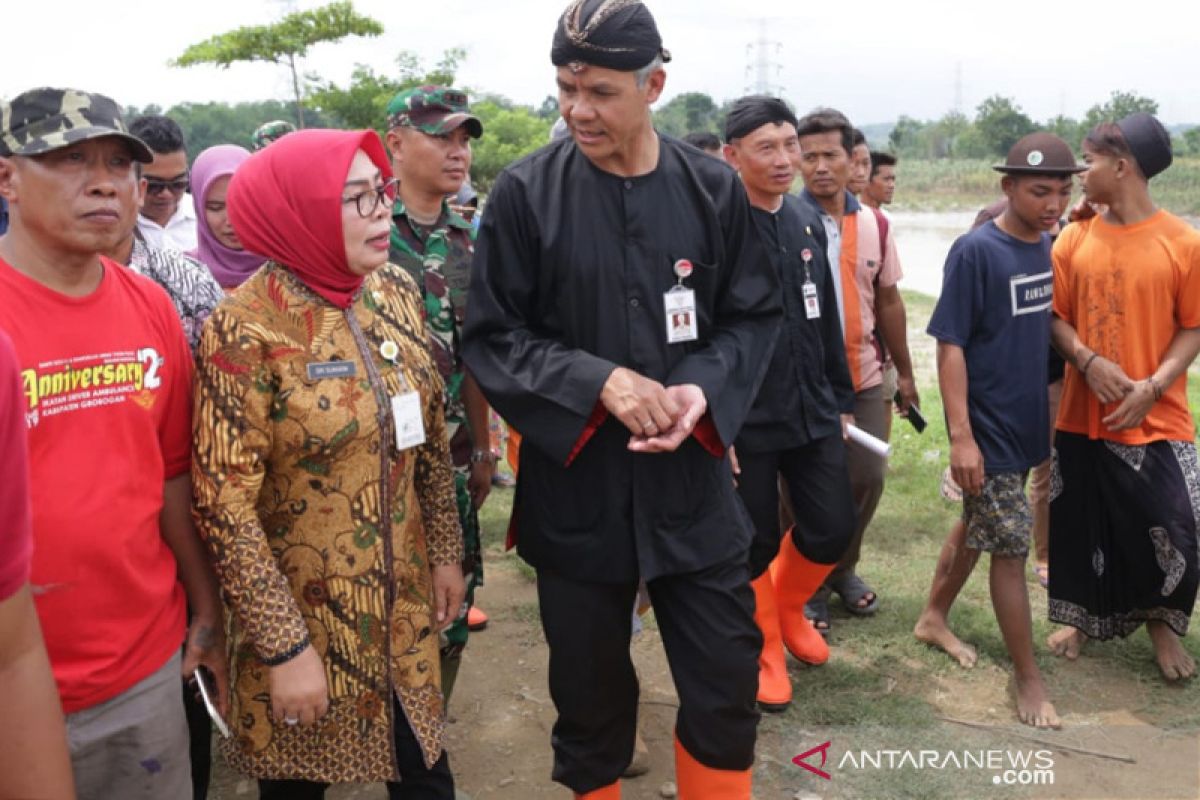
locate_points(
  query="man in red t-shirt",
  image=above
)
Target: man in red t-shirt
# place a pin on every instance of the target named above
(33, 753)
(106, 376)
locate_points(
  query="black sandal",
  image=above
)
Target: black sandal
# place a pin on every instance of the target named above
(853, 591)
(817, 611)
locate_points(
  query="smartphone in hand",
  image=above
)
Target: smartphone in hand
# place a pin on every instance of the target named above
(914, 415)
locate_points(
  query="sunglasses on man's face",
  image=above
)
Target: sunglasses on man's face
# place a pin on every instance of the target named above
(176, 186)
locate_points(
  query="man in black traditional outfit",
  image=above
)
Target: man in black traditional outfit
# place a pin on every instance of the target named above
(588, 248)
(794, 431)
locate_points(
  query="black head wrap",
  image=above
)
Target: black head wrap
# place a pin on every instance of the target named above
(615, 34)
(1149, 142)
(748, 114)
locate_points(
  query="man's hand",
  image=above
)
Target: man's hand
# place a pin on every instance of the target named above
(1133, 408)
(847, 421)
(299, 693)
(966, 464)
(644, 406)
(206, 648)
(733, 463)
(691, 404)
(479, 483)
(907, 389)
(1107, 380)
(449, 589)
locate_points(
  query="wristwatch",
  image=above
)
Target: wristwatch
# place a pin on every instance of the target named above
(483, 456)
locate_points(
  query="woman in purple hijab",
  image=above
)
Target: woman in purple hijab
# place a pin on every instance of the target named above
(219, 248)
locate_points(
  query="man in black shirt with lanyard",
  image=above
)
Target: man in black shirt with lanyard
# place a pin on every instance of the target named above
(590, 249)
(795, 430)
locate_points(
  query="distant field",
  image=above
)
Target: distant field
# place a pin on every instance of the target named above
(949, 185)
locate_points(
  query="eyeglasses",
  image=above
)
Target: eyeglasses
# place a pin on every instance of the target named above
(176, 186)
(368, 202)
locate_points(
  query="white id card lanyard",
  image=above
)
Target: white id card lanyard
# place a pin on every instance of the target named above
(680, 305)
(812, 306)
(406, 414)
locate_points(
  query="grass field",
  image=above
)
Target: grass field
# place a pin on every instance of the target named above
(951, 185)
(883, 689)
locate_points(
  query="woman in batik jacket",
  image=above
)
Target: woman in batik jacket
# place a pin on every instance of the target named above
(323, 482)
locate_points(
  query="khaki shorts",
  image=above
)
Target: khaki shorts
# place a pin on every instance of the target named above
(998, 519)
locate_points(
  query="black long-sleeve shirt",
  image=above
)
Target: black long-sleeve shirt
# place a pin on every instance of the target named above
(570, 270)
(808, 382)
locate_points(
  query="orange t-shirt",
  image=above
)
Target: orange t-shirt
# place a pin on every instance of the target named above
(864, 262)
(107, 398)
(1127, 290)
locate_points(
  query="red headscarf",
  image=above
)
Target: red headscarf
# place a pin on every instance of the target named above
(285, 203)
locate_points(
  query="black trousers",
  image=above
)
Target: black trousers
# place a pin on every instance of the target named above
(706, 620)
(199, 741)
(417, 782)
(818, 483)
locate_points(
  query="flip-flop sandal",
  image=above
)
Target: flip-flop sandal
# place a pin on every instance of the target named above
(853, 591)
(817, 612)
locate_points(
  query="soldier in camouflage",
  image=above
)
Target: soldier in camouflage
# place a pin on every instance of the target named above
(269, 132)
(429, 138)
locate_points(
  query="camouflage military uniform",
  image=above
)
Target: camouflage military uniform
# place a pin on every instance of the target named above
(439, 259)
(269, 132)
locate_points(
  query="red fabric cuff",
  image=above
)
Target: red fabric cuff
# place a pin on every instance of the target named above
(599, 414)
(706, 434)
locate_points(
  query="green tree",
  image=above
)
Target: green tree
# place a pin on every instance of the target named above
(1068, 129)
(363, 103)
(1191, 142)
(207, 124)
(688, 113)
(508, 134)
(1118, 106)
(282, 42)
(906, 135)
(549, 108)
(1000, 123)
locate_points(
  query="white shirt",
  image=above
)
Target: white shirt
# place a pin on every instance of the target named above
(179, 232)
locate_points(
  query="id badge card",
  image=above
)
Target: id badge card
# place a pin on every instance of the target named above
(406, 414)
(812, 306)
(680, 305)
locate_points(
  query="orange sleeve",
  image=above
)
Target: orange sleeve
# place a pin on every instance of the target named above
(1061, 258)
(1187, 297)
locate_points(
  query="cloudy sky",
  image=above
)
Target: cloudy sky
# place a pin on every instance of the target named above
(873, 59)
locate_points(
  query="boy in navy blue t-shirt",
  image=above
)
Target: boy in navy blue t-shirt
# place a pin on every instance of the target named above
(992, 323)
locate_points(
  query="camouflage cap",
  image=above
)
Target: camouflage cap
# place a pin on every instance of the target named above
(43, 120)
(271, 131)
(435, 110)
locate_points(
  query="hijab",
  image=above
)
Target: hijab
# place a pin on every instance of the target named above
(230, 267)
(285, 202)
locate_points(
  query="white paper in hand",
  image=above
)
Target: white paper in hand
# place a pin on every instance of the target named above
(208, 693)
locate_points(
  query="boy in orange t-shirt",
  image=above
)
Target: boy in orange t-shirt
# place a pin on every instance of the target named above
(1123, 545)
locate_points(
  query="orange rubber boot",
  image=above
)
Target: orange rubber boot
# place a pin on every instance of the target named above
(698, 782)
(610, 792)
(796, 580)
(774, 685)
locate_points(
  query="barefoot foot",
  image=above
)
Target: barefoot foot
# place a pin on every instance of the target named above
(933, 631)
(1033, 707)
(1066, 642)
(1175, 662)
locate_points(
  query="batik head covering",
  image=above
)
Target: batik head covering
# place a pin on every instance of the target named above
(614, 34)
(286, 203)
(230, 267)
